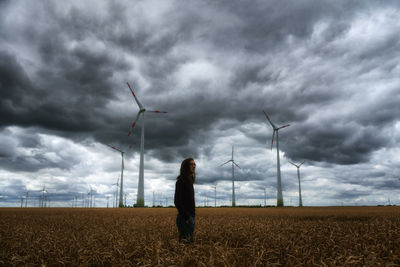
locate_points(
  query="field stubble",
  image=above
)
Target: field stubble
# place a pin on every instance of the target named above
(333, 236)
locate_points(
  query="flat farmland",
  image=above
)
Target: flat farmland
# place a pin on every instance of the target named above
(310, 236)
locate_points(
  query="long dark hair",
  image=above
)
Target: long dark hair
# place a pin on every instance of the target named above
(185, 173)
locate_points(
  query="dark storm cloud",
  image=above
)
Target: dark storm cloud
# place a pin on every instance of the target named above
(83, 57)
(332, 143)
(72, 86)
(14, 89)
(350, 194)
(373, 179)
(35, 162)
(389, 183)
(40, 154)
(16, 188)
(266, 24)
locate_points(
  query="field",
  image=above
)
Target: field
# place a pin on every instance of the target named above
(331, 236)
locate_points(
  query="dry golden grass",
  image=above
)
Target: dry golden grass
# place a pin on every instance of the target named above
(342, 236)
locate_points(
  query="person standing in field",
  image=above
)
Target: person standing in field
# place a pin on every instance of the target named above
(184, 200)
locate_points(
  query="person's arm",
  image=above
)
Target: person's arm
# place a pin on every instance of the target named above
(179, 201)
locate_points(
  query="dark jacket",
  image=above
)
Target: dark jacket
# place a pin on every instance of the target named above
(184, 198)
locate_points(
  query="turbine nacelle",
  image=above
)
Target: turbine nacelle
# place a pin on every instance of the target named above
(142, 109)
(297, 166)
(225, 163)
(275, 129)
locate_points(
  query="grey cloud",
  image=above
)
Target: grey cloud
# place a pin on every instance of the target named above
(8, 148)
(35, 162)
(332, 143)
(75, 107)
(350, 194)
(39, 157)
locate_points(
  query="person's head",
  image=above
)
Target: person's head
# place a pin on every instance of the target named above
(188, 170)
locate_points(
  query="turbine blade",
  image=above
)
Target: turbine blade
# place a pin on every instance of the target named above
(273, 126)
(273, 137)
(292, 163)
(284, 126)
(156, 111)
(137, 100)
(110, 146)
(226, 162)
(131, 145)
(113, 147)
(302, 163)
(134, 123)
(236, 165)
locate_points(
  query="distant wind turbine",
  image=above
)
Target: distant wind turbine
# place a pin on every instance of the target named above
(215, 196)
(26, 198)
(22, 200)
(265, 197)
(233, 178)
(75, 203)
(116, 193)
(142, 110)
(43, 197)
(279, 182)
(92, 199)
(121, 191)
(298, 177)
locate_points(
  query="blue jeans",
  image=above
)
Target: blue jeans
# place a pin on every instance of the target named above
(185, 229)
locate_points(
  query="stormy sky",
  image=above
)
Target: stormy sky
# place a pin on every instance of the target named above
(330, 69)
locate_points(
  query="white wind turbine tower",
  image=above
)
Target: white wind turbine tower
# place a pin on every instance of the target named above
(91, 198)
(298, 177)
(265, 197)
(89, 195)
(26, 198)
(116, 193)
(215, 196)
(142, 110)
(233, 178)
(121, 189)
(279, 182)
(43, 198)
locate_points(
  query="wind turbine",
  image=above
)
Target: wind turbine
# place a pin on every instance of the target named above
(298, 177)
(121, 189)
(215, 196)
(91, 199)
(142, 110)
(279, 182)
(43, 198)
(116, 193)
(233, 178)
(265, 197)
(89, 203)
(76, 200)
(26, 198)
